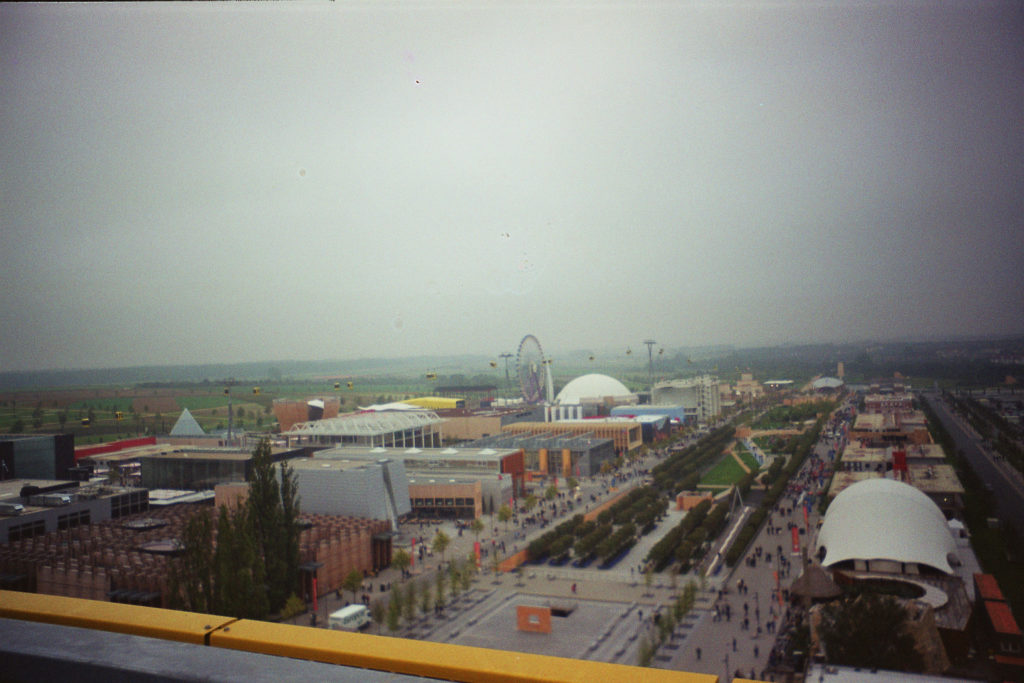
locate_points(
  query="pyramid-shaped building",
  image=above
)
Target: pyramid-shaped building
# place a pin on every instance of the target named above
(187, 426)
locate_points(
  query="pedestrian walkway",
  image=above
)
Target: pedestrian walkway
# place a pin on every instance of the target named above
(734, 630)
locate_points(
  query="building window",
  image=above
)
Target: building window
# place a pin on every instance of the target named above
(27, 530)
(73, 519)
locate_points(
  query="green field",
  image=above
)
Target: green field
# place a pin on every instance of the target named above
(102, 405)
(728, 471)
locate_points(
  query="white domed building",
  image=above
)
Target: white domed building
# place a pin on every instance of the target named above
(882, 525)
(593, 391)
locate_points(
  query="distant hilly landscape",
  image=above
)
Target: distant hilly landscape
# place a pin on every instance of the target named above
(985, 360)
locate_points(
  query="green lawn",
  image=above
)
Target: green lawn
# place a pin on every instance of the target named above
(726, 472)
(206, 402)
(747, 457)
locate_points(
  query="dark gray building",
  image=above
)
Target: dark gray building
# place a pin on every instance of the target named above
(36, 456)
(48, 505)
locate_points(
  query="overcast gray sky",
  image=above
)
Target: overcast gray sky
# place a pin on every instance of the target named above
(206, 183)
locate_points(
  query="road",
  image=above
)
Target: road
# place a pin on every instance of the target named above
(1006, 487)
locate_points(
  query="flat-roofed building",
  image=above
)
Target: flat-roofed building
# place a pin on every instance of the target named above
(475, 395)
(448, 497)
(858, 458)
(54, 505)
(556, 453)
(925, 454)
(203, 469)
(468, 425)
(699, 396)
(940, 483)
(901, 402)
(881, 429)
(124, 558)
(290, 412)
(36, 456)
(748, 388)
(626, 435)
(437, 402)
(676, 413)
(501, 473)
(930, 475)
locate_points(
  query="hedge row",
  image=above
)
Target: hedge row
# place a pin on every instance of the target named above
(708, 530)
(664, 551)
(585, 546)
(542, 547)
(681, 471)
(617, 543)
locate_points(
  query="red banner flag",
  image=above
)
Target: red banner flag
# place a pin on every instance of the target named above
(796, 540)
(476, 552)
(314, 595)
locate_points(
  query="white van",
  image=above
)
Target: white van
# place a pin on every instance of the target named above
(351, 618)
(11, 508)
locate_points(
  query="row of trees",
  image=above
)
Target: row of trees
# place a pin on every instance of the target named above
(779, 476)
(994, 546)
(993, 427)
(408, 600)
(614, 532)
(700, 524)
(248, 565)
(781, 417)
(681, 471)
(667, 622)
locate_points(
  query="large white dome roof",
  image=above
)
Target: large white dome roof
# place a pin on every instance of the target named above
(592, 386)
(887, 520)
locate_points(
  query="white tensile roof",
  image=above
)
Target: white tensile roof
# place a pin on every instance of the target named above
(368, 423)
(592, 386)
(883, 519)
(827, 383)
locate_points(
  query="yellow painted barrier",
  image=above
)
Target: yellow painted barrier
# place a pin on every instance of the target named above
(186, 627)
(432, 660)
(397, 655)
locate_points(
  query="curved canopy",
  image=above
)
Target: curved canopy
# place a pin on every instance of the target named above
(827, 383)
(592, 386)
(882, 519)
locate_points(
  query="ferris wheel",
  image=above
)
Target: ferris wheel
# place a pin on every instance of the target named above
(531, 370)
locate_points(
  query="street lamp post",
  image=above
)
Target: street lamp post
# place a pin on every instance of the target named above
(650, 364)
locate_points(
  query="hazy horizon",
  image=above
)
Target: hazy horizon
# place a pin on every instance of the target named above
(212, 184)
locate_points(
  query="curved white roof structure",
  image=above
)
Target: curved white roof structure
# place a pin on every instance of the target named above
(593, 387)
(883, 519)
(368, 423)
(827, 383)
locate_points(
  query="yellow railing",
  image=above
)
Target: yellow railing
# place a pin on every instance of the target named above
(380, 653)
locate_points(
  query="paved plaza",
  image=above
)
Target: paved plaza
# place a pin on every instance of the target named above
(613, 611)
